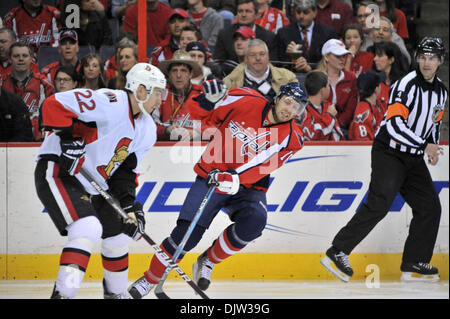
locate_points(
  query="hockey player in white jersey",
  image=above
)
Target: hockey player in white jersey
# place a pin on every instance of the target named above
(107, 132)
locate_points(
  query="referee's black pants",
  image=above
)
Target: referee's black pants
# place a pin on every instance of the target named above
(393, 172)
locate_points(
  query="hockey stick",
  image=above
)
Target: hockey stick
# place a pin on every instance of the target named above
(158, 290)
(115, 204)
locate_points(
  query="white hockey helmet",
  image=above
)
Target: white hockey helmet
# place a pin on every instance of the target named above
(147, 75)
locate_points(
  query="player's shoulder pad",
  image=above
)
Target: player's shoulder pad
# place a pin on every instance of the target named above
(245, 91)
(297, 139)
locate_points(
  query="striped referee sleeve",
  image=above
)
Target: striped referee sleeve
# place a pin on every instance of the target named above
(405, 109)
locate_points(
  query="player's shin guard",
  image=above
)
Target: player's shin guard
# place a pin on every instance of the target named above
(115, 265)
(83, 235)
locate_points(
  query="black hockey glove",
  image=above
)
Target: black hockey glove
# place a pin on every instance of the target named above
(135, 225)
(72, 155)
(214, 93)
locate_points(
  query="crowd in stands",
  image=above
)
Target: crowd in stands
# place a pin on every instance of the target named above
(344, 54)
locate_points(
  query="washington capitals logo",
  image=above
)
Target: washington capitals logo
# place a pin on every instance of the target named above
(360, 118)
(249, 140)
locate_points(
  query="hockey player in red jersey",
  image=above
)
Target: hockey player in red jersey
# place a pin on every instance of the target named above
(253, 137)
(107, 132)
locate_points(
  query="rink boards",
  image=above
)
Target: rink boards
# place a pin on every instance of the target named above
(310, 198)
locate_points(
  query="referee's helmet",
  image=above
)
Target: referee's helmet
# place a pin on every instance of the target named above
(432, 46)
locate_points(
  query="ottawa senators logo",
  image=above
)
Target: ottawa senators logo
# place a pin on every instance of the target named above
(120, 154)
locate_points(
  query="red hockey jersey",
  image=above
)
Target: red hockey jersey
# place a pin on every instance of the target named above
(319, 125)
(272, 20)
(35, 31)
(366, 121)
(244, 139)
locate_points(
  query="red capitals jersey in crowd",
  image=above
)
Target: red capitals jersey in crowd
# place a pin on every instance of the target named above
(244, 139)
(6, 68)
(33, 91)
(174, 111)
(366, 121)
(36, 31)
(319, 125)
(345, 97)
(361, 62)
(272, 20)
(49, 71)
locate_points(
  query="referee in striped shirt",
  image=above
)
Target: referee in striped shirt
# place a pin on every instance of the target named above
(409, 130)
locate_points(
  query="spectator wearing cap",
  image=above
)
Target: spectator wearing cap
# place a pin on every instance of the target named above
(369, 112)
(172, 118)
(334, 13)
(246, 16)
(357, 61)
(7, 38)
(33, 88)
(207, 20)
(68, 50)
(15, 125)
(319, 122)
(198, 53)
(94, 28)
(241, 38)
(343, 93)
(258, 73)
(157, 21)
(270, 18)
(302, 40)
(34, 23)
(177, 21)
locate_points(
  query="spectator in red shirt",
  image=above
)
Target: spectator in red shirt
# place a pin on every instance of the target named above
(68, 50)
(34, 23)
(397, 17)
(206, 19)
(172, 117)
(270, 18)
(177, 21)
(127, 57)
(343, 93)
(158, 15)
(33, 88)
(335, 14)
(7, 38)
(357, 61)
(369, 112)
(319, 122)
(389, 61)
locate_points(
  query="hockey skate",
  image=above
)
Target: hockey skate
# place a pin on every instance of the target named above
(56, 294)
(140, 288)
(109, 295)
(202, 270)
(419, 272)
(337, 263)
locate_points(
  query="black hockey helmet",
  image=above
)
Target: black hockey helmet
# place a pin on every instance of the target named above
(431, 45)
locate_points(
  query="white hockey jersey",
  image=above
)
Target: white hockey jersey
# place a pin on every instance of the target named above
(104, 119)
